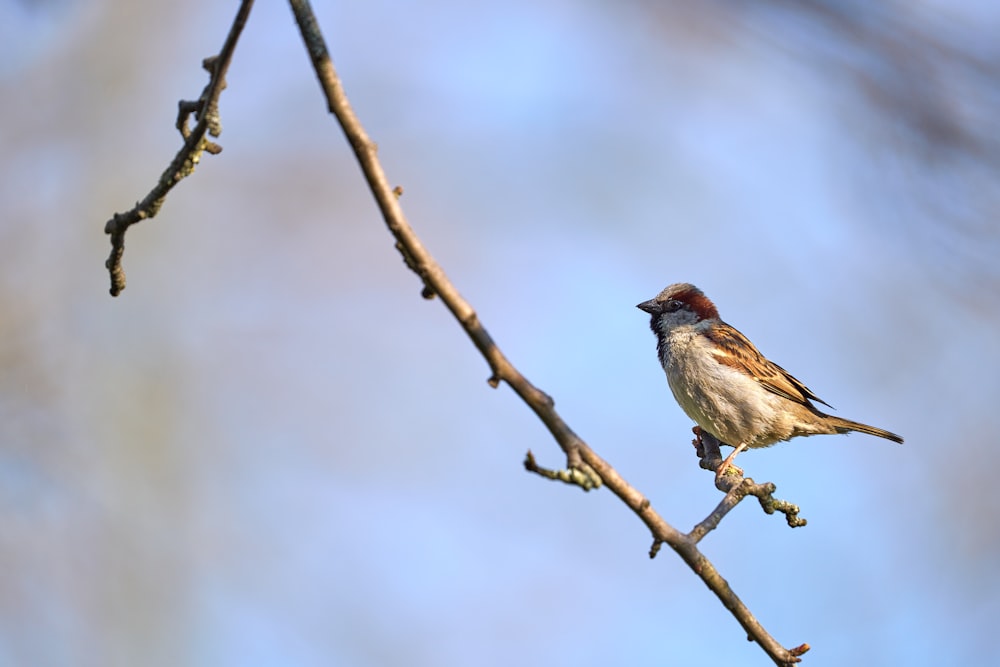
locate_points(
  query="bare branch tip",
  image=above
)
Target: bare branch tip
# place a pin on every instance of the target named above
(114, 268)
(799, 650)
(655, 548)
(398, 191)
(584, 477)
(494, 381)
(765, 496)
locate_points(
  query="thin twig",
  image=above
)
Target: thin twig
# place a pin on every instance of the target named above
(580, 457)
(736, 487)
(206, 110)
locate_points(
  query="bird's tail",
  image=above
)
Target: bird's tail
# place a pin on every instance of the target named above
(844, 425)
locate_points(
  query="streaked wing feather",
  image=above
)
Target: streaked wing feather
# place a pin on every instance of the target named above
(736, 351)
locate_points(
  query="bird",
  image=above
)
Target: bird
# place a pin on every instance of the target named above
(726, 386)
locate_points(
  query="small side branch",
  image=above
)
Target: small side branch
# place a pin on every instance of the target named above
(580, 476)
(206, 110)
(736, 487)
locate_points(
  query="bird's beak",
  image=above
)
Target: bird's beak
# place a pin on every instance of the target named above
(652, 307)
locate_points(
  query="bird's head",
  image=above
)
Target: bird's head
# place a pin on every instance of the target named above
(678, 305)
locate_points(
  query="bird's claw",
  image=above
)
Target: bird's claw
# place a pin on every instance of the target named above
(724, 467)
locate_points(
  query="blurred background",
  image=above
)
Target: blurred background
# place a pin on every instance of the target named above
(271, 451)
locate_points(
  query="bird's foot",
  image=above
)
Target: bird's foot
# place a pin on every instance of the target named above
(724, 467)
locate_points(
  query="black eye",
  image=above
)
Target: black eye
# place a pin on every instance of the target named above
(673, 306)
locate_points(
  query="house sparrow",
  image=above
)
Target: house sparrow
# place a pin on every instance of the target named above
(726, 385)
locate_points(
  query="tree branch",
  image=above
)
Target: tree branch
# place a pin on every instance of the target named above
(206, 110)
(736, 488)
(585, 467)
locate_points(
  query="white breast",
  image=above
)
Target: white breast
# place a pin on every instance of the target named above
(724, 401)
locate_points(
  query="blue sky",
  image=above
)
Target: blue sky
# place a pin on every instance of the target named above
(270, 451)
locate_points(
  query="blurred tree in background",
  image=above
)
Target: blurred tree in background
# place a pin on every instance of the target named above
(269, 450)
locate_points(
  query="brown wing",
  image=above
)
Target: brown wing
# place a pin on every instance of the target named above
(736, 351)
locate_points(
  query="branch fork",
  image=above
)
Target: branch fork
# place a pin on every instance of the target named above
(206, 110)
